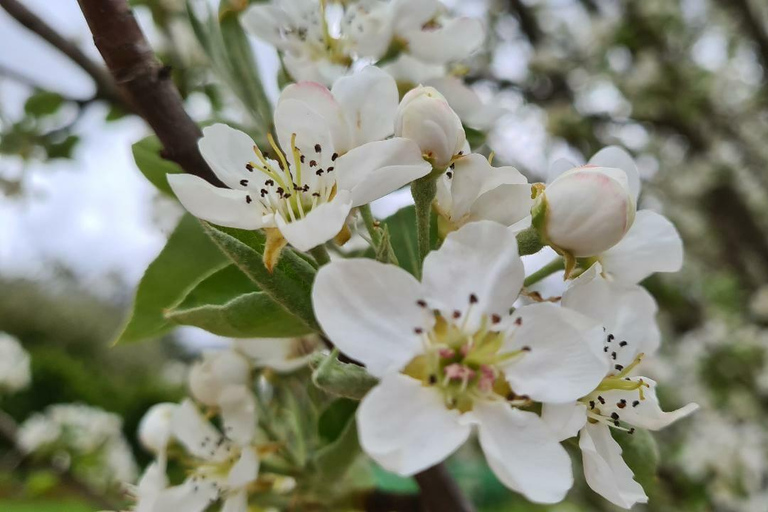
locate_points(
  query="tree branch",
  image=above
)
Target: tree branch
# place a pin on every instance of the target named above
(145, 82)
(751, 21)
(440, 492)
(105, 86)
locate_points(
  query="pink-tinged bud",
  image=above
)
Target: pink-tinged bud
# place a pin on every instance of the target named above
(586, 210)
(155, 427)
(458, 371)
(209, 377)
(447, 353)
(425, 117)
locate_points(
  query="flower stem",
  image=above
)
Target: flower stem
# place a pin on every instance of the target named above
(423, 191)
(440, 492)
(320, 253)
(545, 271)
(365, 212)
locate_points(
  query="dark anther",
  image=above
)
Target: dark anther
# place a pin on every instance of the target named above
(334, 157)
(244, 183)
(263, 192)
(453, 166)
(456, 314)
(601, 400)
(472, 298)
(631, 431)
(591, 404)
(331, 168)
(312, 163)
(301, 158)
(526, 348)
(305, 188)
(432, 379)
(614, 415)
(613, 355)
(421, 303)
(623, 344)
(635, 403)
(610, 338)
(269, 183)
(519, 321)
(605, 349)
(495, 318)
(616, 423)
(449, 174)
(318, 148)
(280, 191)
(315, 194)
(319, 172)
(248, 199)
(249, 167)
(418, 330)
(286, 196)
(621, 404)
(619, 367)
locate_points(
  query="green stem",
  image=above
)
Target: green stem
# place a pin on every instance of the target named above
(320, 253)
(423, 191)
(546, 271)
(370, 225)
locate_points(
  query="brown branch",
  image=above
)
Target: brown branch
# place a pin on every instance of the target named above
(105, 86)
(440, 492)
(146, 82)
(9, 431)
(527, 19)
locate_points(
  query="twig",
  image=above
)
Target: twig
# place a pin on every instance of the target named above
(145, 82)
(440, 492)
(9, 430)
(105, 86)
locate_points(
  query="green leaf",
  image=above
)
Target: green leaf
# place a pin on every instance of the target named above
(341, 379)
(62, 149)
(227, 303)
(335, 459)
(146, 154)
(43, 103)
(641, 453)
(188, 258)
(334, 418)
(290, 282)
(402, 234)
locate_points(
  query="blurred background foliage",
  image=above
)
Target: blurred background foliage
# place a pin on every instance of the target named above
(682, 84)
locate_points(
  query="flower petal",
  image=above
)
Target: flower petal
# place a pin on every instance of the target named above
(238, 413)
(617, 158)
(369, 310)
(466, 103)
(221, 206)
(227, 151)
(309, 110)
(373, 170)
(564, 420)
(477, 272)
(189, 497)
(641, 407)
(505, 204)
(455, 40)
(651, 245)
(320, 225)
(369, 100)
(604, 469)
(406, 427)
(412, 14)
(245, 470)
(193, 431)
(523, 453)
(558, 167)
(566, 359)
(627, 311)
(283, 355)
(236, 502)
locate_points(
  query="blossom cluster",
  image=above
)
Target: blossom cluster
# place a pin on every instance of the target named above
(85, 440)
(15, 372)
(462, 348)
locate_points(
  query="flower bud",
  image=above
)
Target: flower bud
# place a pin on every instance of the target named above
(586, 210)
(217, 370)
(155, 427)
(425, 117)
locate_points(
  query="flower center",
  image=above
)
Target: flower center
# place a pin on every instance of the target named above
(466, 364)
(291, 187)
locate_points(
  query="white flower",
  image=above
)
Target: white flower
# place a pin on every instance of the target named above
(333, 158)
(217, 371)
(652, 244)
(155, 427)
(419, 27)
(587, 210)
(472, 190)
(627, 313)
(15, 373)
(425, 117)
(452, 355)
(281, 354)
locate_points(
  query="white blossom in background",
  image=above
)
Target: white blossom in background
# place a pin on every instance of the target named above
(650, 244)
(425, 117)
(280, 354)
(15, 372)
(473, 190)
(622, 402)
(155, 428)
(452, 355)
(81, 434)
(332, 156)
(321, 42)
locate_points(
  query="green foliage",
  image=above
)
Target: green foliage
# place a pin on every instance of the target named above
(146, 154)
(43, 103)
(290, 282)
(641, 453)
(187, 258)
(227, 303)
(341, 379)
(402, 235)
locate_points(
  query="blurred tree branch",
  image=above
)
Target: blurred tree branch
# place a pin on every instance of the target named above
(105, 86)
(750, 20)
